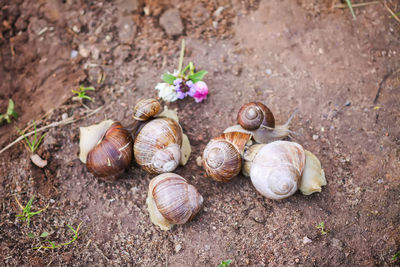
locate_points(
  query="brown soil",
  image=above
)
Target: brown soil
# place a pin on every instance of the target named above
(288, 54)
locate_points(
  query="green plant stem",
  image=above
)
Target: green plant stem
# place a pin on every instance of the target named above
(76, 232)
(181, 56)
(357, 4)
(351, 9)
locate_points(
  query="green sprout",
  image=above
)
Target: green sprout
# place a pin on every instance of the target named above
(33, 145)
(53, 245)
(351, 8)
(396, 256)
(81, 92)
(10, 113)
(321, 226)
(27, 214)
(225, 263)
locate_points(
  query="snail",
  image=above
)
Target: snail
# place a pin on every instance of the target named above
(146, 109)
(278, 169)
(257, 119)
(171, 200)
(222, 157)
(159, 143)
(106, 148)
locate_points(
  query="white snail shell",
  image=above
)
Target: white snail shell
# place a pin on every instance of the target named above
(171, 200)
(157, 147)
(278, 169)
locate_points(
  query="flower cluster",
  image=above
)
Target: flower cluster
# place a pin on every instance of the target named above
(183, 83)
(181, 86)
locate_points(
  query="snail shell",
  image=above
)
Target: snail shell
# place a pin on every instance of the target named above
(254, 114)
(171, 200)
(256, 119)
(112, 152)
(278, 169)
(157, 147)
(146, 109)
(222, 157)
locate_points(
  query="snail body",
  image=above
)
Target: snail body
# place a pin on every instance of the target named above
(278, 169)
(157, 146)
(257, 119)
(222, 157)
(171, 200)
(106, 148)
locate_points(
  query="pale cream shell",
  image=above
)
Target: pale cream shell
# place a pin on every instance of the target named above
(277, 168)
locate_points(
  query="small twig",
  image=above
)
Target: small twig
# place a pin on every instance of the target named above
(180, 64)
(356, 5)
(51, 125)
(391, 12)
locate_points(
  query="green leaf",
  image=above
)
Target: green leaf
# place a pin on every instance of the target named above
(44, 234)
(198, 76)
(31, 235)
(168, 78)
(10, 108)
(396, 256)
(225, 263)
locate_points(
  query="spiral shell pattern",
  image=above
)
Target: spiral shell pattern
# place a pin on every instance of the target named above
(277, 168)
(157, 146)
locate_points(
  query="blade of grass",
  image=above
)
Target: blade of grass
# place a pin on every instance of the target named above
(391, 12)
(351, 9)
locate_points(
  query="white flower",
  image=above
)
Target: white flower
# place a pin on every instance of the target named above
(166, 92)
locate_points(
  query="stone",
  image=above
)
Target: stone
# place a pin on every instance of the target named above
(178, 248)
(306, 240)
(171, 22)
(128, 6)
(126, 30)
(84, 50)
(199, 14)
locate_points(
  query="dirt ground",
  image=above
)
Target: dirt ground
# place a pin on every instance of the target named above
(303, 55)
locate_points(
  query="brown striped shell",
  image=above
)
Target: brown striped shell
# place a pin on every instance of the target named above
(146, 109)
(112, 154)
(254, 114)
(222, 157)
(157, 147)
(176, 201)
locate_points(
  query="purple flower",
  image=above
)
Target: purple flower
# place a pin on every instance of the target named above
(184, 88)
(201, 91)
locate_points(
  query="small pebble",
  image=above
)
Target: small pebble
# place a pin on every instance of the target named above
(64, 116)
(306, 240)
(348, 103)
(178, 248)
(219, 11)
(74, 54)
(38, 161)
(315, 137)
(199, 161)
(76, 29)
(52, 201)
(84, 51)
(268, 71)
(380, 181)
